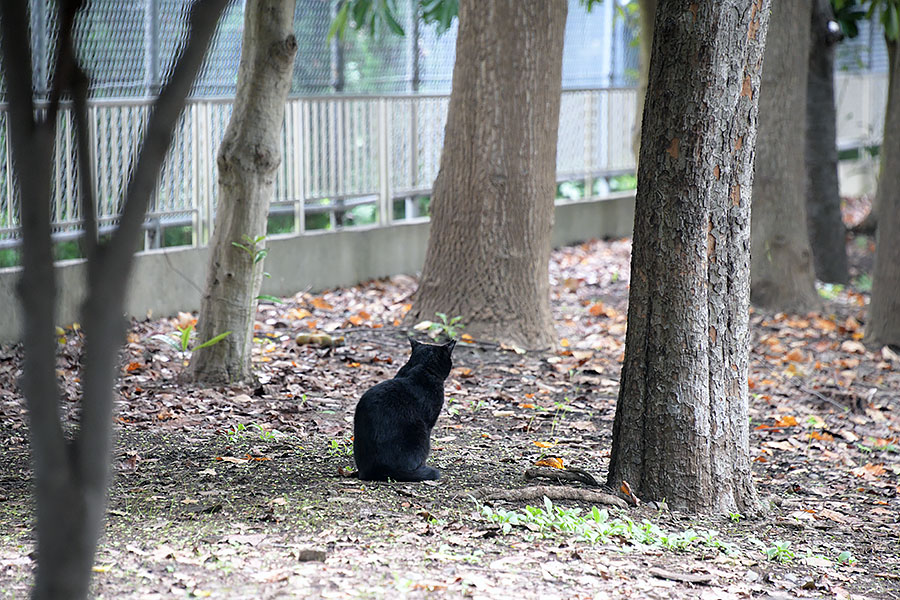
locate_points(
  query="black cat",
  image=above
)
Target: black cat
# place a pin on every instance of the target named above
(393, 420)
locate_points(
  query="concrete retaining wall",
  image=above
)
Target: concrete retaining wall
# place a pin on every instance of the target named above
(166, 281)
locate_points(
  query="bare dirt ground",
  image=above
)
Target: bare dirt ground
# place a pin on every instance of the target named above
(238, 492)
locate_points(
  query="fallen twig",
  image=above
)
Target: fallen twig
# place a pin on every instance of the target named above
(553, 492)
(700, 578)
(822, 397)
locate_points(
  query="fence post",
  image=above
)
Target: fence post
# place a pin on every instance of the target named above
(307, 162)
(384, 164)
(11, 217)
(204, 161)
(92, 145)
(588, 145)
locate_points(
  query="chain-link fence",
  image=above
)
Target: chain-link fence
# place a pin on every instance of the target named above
(128, 48)
(349, 160)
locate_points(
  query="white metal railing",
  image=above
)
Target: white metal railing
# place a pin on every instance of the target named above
(340, 152)
(860, 102)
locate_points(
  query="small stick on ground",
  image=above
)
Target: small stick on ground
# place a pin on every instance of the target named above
(696, 578)
(550, 491)
(561, 475)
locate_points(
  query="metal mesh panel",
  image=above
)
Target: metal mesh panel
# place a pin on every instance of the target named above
(110, 42)
(436, 57)
(379, 63)
(129, 47)
(866, 52)
(417, 136)
(218, 75)
(313, 66)
(64, 211)
(572, 138)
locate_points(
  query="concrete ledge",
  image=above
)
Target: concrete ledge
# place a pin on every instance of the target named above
(593, 219)
(164, 282)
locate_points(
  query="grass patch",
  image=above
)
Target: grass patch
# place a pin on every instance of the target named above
(597, 527)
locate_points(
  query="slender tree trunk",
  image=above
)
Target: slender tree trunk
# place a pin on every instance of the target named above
(827, 234)
(492, 208)
(248, 160)
(883, 325)
(680, 430)
(646, 13)
(71, 475)
(781, 265)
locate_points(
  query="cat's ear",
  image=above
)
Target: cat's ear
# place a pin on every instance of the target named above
(449, 346)
(413, 343)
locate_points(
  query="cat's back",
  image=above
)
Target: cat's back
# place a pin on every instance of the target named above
(390, 391)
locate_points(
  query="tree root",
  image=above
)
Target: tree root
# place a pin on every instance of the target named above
(560, 475)
(553, 492)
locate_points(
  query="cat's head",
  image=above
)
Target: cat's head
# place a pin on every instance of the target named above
(435, 357)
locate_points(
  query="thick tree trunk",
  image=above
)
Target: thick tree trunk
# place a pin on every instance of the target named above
(71, 475)
(680, 430)
(492, 208)
(883, 325)
(827, 234)
(646, 13)
(781, 266)
(248, 160)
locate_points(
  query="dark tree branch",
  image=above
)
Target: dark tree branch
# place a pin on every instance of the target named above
(71, 479)
(16, 43)
(70, 77)
(65, 56)
(31, 145)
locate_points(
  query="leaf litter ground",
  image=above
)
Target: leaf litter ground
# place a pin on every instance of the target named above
(238, 492)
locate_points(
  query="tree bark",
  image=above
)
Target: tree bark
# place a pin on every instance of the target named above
(680, 431)
(781, 266)
(248, 159)
(71, 474)
(883, 325)
(492, 207)
(827, 233)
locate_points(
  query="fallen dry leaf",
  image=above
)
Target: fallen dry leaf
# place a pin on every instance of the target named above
(869, 472)
(853, 347)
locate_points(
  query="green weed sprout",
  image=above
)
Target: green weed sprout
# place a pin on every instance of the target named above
(780, 552)
(449, 328)
(340, 447)
(256, 254)
(182, 342)
(240, 430)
